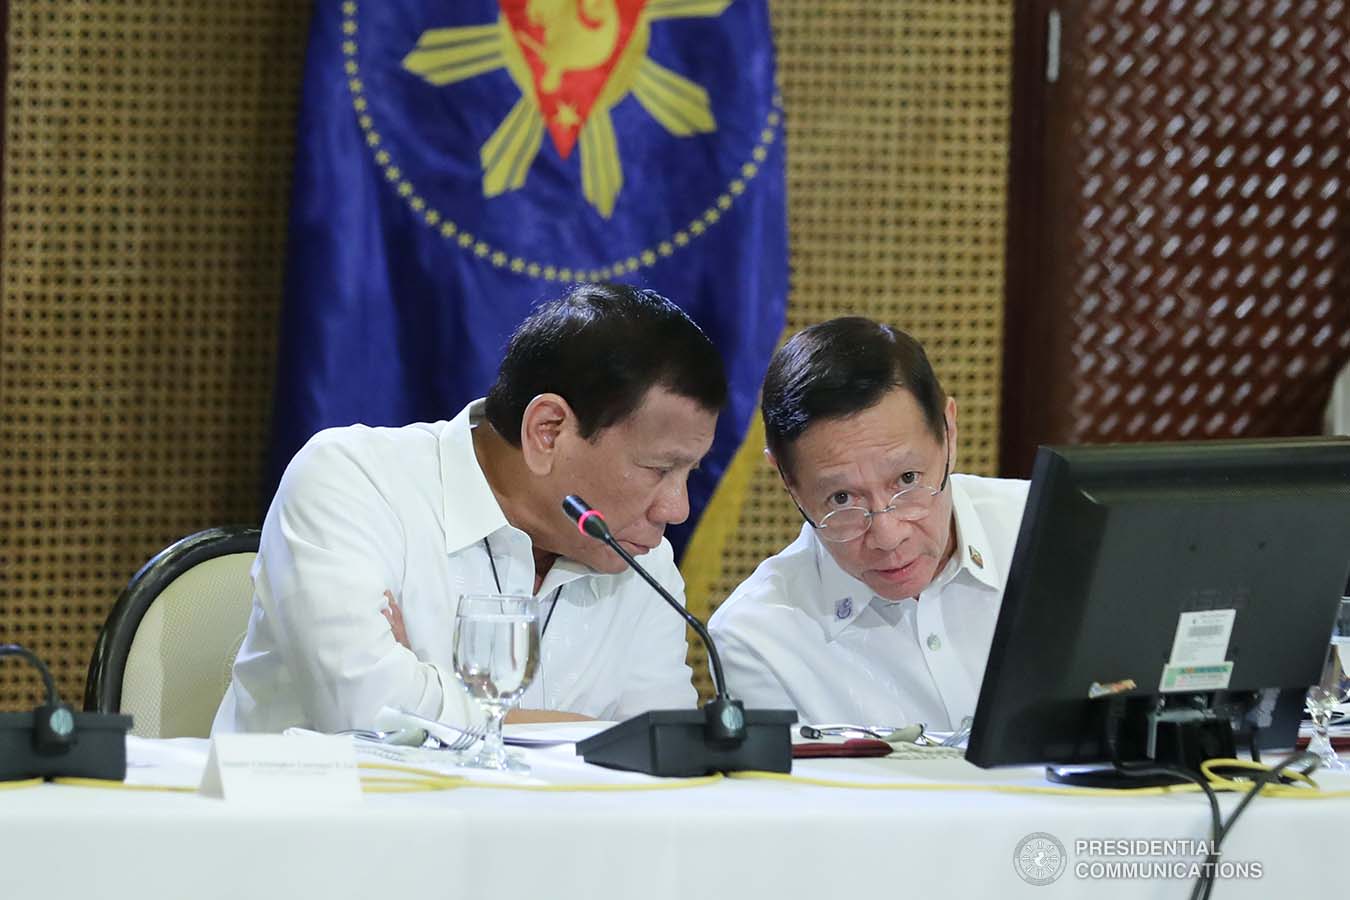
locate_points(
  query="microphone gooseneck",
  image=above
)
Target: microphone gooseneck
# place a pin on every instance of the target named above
(721, 737)
(592, 524)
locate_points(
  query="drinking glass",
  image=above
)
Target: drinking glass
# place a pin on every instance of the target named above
(1331, 690)
(496, 654)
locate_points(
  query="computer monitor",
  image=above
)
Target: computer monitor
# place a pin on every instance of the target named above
(1159, 598)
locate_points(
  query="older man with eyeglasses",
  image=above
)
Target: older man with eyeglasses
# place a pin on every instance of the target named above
(882, 611)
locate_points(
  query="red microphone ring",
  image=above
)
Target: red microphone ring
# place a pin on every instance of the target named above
(581, 521)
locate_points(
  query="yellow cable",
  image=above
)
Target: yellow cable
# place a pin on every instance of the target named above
(985, 788)
(420, 780)
(26, 782)
(1208, 767)
(446, 782)
(1219, 783)
(698, 781)
(415, 780)
(1310, 789)
(430, 774)
(122, 785)
(404, 786)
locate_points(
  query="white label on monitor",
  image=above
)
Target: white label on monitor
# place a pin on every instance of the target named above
(1202, 637)
(1212, 677)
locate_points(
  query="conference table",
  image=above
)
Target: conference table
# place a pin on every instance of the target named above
(901, 828)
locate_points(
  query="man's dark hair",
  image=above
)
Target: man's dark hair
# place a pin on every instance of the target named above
(838, 368)
(601, 348)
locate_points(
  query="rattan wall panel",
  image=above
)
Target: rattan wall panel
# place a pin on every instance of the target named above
(146, 174)
(147, 162)
(897, 125)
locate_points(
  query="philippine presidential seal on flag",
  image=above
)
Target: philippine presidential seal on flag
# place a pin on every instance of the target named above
(573, 61)
(571, 66)
(458, 162)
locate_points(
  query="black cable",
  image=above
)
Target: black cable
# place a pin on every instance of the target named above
(1205, 883)
(1115, 718)
(1219, 828)
(1264, 778)
(48, 684)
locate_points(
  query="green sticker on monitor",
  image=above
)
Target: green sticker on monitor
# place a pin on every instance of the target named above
(1211, 677)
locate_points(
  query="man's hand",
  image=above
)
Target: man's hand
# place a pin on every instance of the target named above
(394, 616)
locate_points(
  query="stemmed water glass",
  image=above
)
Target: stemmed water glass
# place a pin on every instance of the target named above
(496, 654)
(1331, 690)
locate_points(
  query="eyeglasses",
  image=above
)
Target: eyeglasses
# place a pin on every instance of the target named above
(910, 504)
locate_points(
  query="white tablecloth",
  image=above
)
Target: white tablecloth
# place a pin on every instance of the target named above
(730, 839)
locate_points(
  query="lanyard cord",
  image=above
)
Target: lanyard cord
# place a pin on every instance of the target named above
(557, 594)
(492, 562)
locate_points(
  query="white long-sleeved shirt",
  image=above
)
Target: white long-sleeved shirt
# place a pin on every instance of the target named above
(363, 510)
(801, 633)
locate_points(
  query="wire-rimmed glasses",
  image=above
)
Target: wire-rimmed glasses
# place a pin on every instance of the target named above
(909, 504)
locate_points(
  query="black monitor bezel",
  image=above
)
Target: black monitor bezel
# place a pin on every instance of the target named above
(1060, 474)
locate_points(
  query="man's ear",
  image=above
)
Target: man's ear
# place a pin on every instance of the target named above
(787, 482)
(950, 414)
(778, 467)
(545, 419)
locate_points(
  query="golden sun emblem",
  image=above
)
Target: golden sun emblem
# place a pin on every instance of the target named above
(573, 60)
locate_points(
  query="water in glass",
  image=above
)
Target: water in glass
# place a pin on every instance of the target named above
(496, 655)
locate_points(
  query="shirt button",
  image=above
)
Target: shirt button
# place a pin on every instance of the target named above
(934, 642)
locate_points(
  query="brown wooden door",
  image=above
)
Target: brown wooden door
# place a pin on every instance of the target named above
(1179, 220)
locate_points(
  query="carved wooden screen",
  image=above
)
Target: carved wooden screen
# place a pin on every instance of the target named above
(1179, 241)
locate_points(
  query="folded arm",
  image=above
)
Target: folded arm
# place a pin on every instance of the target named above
(331, 548)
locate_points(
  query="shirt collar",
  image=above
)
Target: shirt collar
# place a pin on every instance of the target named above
(976, 553)
(469, 509)
(842, 597)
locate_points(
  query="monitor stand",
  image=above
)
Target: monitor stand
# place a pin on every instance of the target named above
(1112, 778)
(1177, 739)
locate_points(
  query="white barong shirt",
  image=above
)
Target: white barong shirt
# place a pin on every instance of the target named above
(363, 510)
(800, 633)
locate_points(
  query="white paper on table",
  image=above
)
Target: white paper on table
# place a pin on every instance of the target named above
(551, 734)
(166, 762)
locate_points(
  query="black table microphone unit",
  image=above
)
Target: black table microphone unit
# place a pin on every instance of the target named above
(54, 742)
(723, 736)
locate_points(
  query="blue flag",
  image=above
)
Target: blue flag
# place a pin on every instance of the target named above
(459, 162)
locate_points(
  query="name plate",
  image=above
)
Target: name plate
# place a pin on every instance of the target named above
(282, 771)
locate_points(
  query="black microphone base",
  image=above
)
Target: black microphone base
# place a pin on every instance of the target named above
(98, 750)
(675, 743)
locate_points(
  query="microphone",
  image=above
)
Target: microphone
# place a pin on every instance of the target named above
(725, 737)
(590, 522)
(53, 741)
